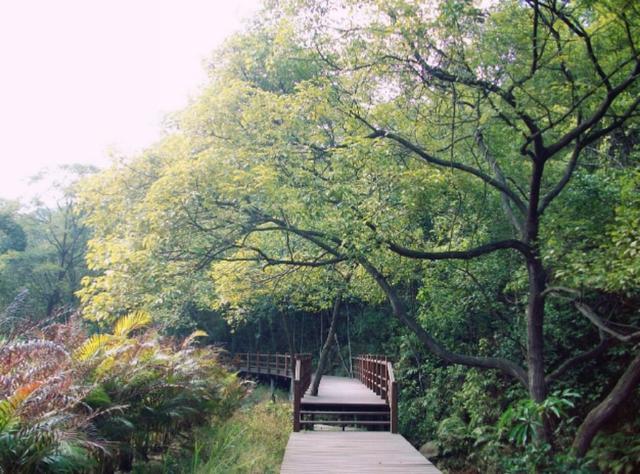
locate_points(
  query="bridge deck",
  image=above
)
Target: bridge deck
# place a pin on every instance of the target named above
(342, 391)
(352, 452)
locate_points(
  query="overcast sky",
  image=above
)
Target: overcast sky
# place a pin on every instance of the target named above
(78, 77)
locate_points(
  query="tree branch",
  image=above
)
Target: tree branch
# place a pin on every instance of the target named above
(462, 254)
(599, 113)
(509, 367)
(578, 359)
(607, 408)
(591, 315)
(566, 177)
(503, 188)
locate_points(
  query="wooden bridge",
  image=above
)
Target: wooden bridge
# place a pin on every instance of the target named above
(364, 407)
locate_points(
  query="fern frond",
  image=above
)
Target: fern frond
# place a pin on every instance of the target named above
(132, 321)
(197, 333)
(92, 346)
(105, 366)
(9, 406)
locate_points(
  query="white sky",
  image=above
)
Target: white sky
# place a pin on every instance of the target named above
(78, 77)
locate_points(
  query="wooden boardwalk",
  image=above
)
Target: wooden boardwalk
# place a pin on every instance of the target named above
(367, 402)
(342, 391)
(352, 452)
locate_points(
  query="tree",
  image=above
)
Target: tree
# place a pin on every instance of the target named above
(52, 236)
(405, 135)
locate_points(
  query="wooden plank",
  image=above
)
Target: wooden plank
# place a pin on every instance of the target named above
(353, 452)
(342, 391)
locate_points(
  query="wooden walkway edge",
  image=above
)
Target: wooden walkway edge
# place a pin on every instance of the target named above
(326, 452)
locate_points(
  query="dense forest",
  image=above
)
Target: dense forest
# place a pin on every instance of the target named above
(453, 184)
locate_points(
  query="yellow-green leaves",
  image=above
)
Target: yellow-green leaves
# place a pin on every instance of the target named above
(132, 321)
(122, 330)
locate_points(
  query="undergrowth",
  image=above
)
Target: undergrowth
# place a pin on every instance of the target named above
(253, 440)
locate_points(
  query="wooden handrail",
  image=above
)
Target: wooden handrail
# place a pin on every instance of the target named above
(261, 363)
(376, 372)
(297, 368)
(301, 382)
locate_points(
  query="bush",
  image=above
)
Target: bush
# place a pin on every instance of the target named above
(71, 403)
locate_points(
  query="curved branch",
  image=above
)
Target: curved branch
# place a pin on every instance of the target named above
(508, 367)
(591, 315)
(566, 177)
(463, 254)
(503, 188)
(576, 360)
(599, 113)
(597, 417)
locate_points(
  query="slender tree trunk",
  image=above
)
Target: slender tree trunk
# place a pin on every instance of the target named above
(535, 332)
(344, 362)
(52, 302)
(291, 343)
(597, 417)
(349, 342)
(324, 355)
(301, 334)
(535, 306)
(289, 335)
(535, 344)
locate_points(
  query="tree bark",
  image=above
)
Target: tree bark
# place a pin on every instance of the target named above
(597, 417)
(535, 307)
(324, 355)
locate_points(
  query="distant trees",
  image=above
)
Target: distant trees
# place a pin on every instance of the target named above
(49, 244)
(13, 236)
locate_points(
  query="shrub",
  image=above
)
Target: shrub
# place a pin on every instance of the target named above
(71, 403)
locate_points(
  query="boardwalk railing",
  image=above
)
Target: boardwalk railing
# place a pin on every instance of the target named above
(297, 367)
(269, 364)
(376, 372)
(301, 382)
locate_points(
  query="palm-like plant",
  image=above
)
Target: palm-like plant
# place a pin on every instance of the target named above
(167, 388)
(43, 424)
(69, 403)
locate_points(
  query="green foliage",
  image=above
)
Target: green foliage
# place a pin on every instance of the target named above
(252, 441)
(334, 133)
(523, 420)
(49, 262)
(12, 236)
(619, 452)
(118, 398)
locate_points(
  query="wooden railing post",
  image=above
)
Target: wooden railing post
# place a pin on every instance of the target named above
(297, 384)
(393, 399)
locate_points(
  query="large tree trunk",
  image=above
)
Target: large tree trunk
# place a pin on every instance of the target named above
(607, 408)
(324, 355)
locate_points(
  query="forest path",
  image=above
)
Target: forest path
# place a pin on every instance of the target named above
(366, 402)
(342, 391)
(353, 452)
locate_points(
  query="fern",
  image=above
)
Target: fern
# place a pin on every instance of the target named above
(132, 321)
(192, 337)
(92, 346)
